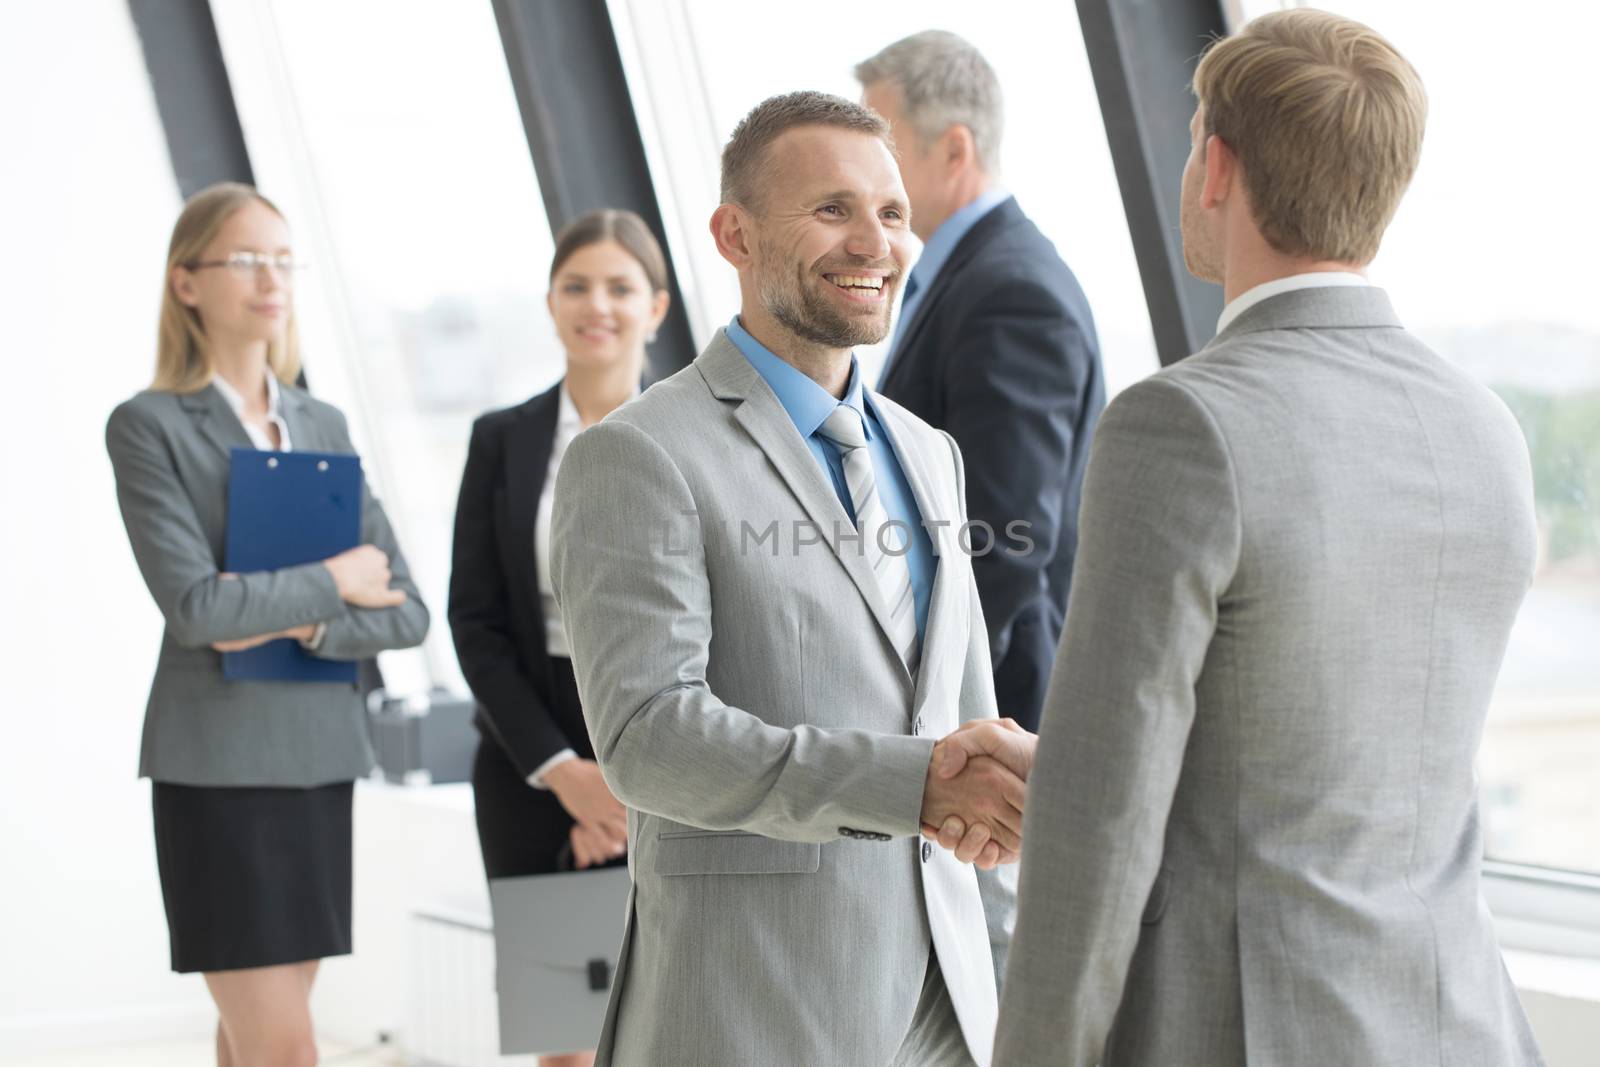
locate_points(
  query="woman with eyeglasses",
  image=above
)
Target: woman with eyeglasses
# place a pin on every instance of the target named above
(251, 780)
(540, 800)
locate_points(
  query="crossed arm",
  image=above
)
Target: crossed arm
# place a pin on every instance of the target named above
(363, 598)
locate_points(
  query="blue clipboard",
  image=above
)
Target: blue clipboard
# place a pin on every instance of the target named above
(285, 509)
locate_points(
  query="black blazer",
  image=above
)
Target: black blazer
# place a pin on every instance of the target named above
(1002, 355)
(496, 616)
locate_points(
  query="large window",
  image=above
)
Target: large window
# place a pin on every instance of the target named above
(1491, 261)
(390, 135)
(697, 66)
(87, 203)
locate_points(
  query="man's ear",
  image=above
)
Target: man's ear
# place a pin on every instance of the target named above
(960, 148)
(1222, 169)
(730, 228)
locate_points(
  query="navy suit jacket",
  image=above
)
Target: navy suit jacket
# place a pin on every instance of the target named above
(1002, 355)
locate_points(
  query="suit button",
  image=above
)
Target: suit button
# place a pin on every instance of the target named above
(927, 852)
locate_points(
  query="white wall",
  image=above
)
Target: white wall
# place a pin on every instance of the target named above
(87, 198)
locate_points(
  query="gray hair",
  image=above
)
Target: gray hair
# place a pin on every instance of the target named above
(744, 157)
(943, 82)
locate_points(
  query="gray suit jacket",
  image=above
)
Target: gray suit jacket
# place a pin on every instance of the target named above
(747, 705)
(169, 452)
(1252, 830)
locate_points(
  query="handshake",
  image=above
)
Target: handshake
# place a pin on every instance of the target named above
(972, 803)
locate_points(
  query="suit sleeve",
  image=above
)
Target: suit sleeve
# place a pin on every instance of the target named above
(1161, 543)
(480, 616)
(629, 570)
(998, 887)
(357, 633)
(1018, 372)
(177, 562)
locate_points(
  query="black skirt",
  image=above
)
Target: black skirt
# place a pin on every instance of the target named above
(253, 877)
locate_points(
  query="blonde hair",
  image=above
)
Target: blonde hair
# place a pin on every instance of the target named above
(183, 365)
(1326, 118)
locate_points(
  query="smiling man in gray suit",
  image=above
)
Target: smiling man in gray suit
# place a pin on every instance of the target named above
(1252, 831)
(760, 567)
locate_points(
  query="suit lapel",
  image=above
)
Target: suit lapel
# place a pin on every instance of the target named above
(1003, 215)
(215, 420)
(304, 433)
(731, 377)
(946, 541)
(529, 442)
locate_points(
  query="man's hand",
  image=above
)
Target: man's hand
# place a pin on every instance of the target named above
(582, 790)
(1001, 739)
(984, 798)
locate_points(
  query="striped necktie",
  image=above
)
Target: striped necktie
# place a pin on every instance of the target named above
(889, 568)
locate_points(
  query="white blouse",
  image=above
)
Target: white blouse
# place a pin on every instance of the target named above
(568, 425)
(258, 436)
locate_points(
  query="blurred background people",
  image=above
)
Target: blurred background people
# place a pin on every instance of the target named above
(995, 345)
(252, 780)
(541, 803)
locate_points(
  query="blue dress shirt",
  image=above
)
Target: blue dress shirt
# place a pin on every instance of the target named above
(809, 405)
(934, 255)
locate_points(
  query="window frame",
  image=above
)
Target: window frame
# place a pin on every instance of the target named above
(1536, 908)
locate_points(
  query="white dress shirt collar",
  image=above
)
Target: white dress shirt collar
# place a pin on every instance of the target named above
(257, 435)
(568, 422)
(1313, 280)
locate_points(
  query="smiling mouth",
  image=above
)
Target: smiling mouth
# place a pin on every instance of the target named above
(860, 286)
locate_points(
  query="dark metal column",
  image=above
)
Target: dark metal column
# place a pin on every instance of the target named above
(582, 131)
(1143, 54)
(192, 92)
(195, 101)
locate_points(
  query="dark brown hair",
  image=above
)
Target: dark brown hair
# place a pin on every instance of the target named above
(745, 154)
(613, 224)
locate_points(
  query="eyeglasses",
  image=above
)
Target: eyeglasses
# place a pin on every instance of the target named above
(247, 264)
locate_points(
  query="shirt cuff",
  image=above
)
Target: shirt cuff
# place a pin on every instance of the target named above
(536, 779)
(314, 642)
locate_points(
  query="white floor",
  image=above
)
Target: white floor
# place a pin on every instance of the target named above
(197, 1053)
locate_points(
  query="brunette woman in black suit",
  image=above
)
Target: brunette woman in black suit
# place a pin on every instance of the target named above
(538, 790)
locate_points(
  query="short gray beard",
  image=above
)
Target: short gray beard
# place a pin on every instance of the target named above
(808, 316)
